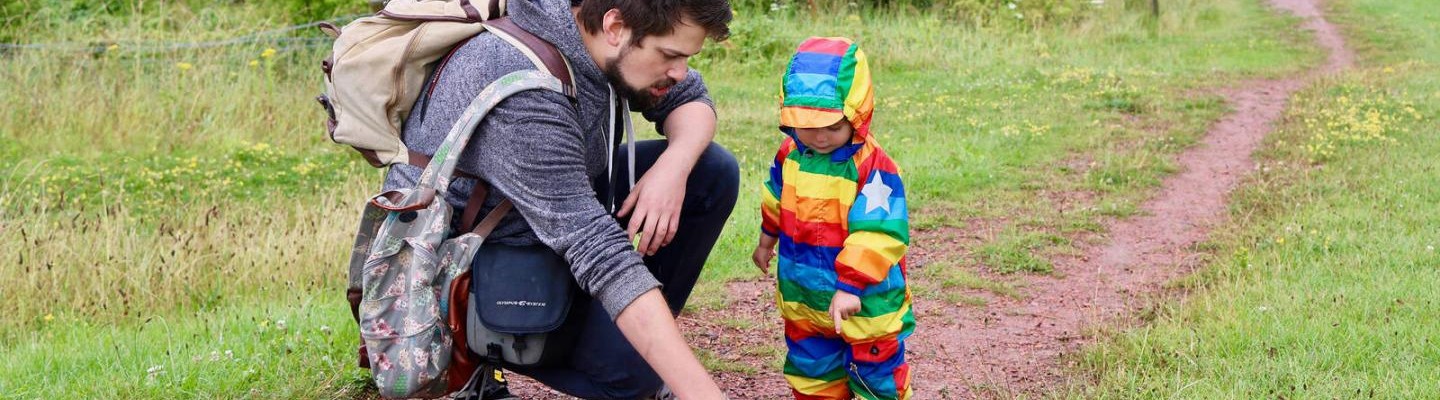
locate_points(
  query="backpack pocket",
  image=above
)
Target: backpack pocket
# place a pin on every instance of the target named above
(401, 323)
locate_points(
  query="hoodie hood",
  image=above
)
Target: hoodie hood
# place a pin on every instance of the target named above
(553, 21)
(828, 78)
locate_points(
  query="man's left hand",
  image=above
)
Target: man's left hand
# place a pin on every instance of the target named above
(656, 201)
(657, 198)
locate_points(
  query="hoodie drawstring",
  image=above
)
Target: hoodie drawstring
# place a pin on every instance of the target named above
(629, 139)
(624, 108)
(610, 147)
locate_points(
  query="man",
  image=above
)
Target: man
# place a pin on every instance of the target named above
(553, 159)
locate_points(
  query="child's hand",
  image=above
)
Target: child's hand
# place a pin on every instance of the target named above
(842, 306)
(762, 257)
(764, 251)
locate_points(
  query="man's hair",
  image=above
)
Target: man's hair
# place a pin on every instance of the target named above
(658, 17)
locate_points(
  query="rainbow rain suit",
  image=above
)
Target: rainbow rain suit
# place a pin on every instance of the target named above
(842, 225)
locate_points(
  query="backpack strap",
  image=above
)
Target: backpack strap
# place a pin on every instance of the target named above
(436, 176)
(545, 56)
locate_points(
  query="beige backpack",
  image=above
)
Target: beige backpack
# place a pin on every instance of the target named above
(379, 64)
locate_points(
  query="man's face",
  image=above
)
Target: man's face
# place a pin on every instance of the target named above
(645, 71)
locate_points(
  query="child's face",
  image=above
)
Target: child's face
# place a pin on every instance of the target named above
(827, 139)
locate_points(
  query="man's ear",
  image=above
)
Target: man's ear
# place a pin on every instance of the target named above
(613, 28)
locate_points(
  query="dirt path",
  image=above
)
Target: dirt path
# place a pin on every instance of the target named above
(1012, 346)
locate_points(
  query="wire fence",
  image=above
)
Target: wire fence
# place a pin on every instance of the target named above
(273, 37)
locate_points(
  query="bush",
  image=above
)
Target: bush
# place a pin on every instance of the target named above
(14, 13)
(1016, 12)
(301, 11)
(1001, 13)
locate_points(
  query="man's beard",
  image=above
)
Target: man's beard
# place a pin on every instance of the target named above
(640, 99)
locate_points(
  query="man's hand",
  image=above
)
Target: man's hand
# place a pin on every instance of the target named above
(842, 306)
(648, 326)
(656, 201)
(658, 196)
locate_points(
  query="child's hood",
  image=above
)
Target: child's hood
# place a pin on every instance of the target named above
(828, 78)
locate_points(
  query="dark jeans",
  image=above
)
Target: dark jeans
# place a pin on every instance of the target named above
(604, 365)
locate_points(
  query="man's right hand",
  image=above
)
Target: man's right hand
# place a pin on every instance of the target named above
(649, 327)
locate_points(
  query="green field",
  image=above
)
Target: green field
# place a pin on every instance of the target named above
(181, 223)
(1324, 285)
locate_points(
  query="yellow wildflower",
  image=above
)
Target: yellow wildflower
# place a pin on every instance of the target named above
(184, 66)
(269, 52)
(254, 63)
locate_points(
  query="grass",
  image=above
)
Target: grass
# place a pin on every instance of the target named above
(132, 247)
(247, 349)
(948, 280)
(983, 118)
(1323, 285)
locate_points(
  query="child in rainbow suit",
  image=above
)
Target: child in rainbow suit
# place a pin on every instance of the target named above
(835, 205)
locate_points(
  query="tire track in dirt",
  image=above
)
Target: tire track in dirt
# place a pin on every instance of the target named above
(1013, 346)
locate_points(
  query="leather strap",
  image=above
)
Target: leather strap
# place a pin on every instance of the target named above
(550, 56)
(472, 210)
(440, 68)
(492, 219)
(461, 358)
(472, 205)
(554, 63)
(427, 195)
(494, 8)
(470, 11)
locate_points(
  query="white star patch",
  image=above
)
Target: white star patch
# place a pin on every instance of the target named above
(877, 194)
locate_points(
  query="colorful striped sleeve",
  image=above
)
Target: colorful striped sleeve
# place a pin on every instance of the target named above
(770, 197)
(879, 228)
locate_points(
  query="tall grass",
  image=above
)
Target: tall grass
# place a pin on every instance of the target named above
(195, 187)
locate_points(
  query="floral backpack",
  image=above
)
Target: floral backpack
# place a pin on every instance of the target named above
(405, 267)
(410, 261)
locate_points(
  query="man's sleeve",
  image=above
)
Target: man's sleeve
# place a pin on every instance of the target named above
(690, 90)
(535, 151)
(774, 189)
(879, 227)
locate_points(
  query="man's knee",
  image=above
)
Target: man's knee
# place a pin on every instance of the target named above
(720, 173)
(719, 164)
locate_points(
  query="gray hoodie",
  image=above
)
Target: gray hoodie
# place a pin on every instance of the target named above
(538, 151)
